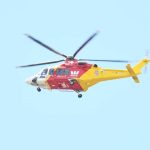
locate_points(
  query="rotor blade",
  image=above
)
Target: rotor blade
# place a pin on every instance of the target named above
(44, 45)
(87, 41)
(103, 60)
(38, 64)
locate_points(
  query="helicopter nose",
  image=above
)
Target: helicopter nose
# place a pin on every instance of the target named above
(28, 80)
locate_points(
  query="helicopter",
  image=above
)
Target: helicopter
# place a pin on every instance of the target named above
(78, 75)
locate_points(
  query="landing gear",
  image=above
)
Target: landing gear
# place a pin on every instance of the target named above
(79, 95)
(39, 89)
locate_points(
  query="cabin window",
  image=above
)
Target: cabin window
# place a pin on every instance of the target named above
(59, 72)
(66, 71)
(62, 72)
(51, 72)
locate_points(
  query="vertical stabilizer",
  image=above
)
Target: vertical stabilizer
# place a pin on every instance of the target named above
(138, 67)
(132, 73)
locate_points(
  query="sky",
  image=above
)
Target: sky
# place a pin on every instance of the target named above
(112, 115)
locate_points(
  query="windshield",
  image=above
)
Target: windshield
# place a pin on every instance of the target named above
(43, 73)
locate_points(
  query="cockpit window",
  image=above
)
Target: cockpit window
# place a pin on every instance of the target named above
(51, 71)
(44, 73)
(62, 72)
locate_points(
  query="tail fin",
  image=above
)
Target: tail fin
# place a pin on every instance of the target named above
(138, 67)
(132, 73)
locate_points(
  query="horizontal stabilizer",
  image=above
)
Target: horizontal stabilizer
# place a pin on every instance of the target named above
(132, 73)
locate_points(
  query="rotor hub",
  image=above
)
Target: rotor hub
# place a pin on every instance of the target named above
(70, 58)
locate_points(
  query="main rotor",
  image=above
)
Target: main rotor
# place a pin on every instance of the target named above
(71, 58)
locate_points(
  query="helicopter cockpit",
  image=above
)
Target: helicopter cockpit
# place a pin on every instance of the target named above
(44, 73)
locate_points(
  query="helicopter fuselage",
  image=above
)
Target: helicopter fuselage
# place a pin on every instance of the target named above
(79, 76)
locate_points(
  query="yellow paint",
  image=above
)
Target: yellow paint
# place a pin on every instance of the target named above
(97, 74)
(132, 73)
(137, 68)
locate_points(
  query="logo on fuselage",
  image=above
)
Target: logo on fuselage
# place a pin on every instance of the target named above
(74, 73)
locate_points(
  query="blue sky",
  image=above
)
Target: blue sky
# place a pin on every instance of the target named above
(112, 115)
